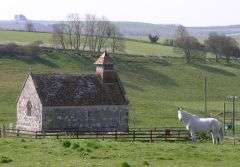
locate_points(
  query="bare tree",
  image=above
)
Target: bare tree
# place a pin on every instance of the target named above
(101, 34)
(94, 35)
(190, 45)
(29, 27)
(58, 35)
(78, 30)
(90, 32)
(116, 39)
(181, 32)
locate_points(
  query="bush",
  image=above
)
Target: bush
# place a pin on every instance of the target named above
(29, 51)
(145, 163)
(88, 150)
(125, 164)
(75, 146)
(93, 145)
(5, 159)
(153, 38)
(66, 144)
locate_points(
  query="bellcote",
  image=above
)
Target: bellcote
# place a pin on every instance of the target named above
(105, 68)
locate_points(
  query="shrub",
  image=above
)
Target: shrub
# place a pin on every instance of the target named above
(5, 159)
(153, 38)
(88, 150)
(75, 146)
(125, 164)
(81, 149)
(23, 140)
(93, 145)
(26, 51)
(66, 144)
(145, 163)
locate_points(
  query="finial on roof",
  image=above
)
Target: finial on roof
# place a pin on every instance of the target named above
(30, 69)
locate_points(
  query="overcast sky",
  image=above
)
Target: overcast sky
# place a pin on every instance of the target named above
(186, 12)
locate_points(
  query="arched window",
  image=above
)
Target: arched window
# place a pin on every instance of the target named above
(29, 108)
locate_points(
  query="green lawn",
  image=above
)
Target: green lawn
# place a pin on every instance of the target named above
(84, 153)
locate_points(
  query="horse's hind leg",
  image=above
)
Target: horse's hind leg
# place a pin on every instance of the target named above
(213, 138)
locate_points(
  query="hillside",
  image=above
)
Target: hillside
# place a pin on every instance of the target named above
(133, 29)
(157, 80)
(132, 47)
(155, 85)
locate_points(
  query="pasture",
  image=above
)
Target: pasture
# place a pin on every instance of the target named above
(155, 86)
(157, 80)
(83, 153)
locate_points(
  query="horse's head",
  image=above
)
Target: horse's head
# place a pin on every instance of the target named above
(179, 110)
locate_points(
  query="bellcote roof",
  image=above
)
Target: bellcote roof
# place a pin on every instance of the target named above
(104, 59)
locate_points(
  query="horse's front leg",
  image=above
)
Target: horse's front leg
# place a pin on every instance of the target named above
(214, 139)
(193, 136)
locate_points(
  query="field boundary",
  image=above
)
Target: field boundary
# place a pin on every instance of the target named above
(139, 134)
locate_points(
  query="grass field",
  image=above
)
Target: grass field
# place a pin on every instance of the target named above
(156, 85)
(83, 153)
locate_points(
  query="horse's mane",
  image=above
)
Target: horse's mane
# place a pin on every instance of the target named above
(189, 114)
(186, 116)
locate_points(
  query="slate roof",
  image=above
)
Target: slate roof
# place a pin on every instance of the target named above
(77, 90)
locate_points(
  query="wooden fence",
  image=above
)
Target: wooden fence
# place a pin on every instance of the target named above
(139, 134)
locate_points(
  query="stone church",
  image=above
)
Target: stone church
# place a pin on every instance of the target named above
(87, 103)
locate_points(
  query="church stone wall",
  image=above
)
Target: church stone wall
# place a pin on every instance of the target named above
(86, 118)
(31, 122)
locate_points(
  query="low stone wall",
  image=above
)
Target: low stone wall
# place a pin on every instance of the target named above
(86, 118)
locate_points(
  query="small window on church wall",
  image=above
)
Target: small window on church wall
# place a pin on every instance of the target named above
(29, 108)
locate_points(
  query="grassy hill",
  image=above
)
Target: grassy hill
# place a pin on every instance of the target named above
(157, 81)
(155, 85)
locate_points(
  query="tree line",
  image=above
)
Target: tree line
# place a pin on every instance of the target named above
(220, 45)
(92, 34)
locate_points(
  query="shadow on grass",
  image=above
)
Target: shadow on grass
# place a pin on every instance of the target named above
(32, 60)
(232, 65)
(212, 69)
(143, 70)
(133, 86)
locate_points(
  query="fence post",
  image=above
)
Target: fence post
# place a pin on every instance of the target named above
(224, 118)
(116, 135)
(17, 132)
(151, 139)
(3, 131)
(134, 135)
(36, 135)
(179, 132)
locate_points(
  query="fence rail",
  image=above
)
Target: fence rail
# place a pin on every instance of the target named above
(144, 134)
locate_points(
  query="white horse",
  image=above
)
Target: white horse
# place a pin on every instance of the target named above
(207, 125)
